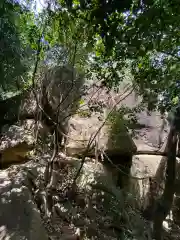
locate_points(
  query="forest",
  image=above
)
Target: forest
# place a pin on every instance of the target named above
(74, 68)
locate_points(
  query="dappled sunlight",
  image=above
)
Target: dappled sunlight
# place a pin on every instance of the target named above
(89, 120)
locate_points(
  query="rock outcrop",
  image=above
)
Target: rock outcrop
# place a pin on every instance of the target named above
(56, 98)
(19, 216)
(113, 135)
(16, 143)
(108, 137)
(119, 135)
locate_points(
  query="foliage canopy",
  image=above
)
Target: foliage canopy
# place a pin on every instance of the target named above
(105, 37)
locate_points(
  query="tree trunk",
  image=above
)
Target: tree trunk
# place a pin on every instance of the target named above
(164, 204)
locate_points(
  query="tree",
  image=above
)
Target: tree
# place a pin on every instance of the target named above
(11, 51)
(145, 32)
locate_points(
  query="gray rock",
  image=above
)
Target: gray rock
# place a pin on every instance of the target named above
(19, 216)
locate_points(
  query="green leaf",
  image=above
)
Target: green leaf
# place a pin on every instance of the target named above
(175, 100)
(81, 102)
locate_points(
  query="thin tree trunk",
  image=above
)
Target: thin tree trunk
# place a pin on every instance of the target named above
(164, 204)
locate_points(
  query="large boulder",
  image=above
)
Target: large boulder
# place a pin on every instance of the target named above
(19, 216)
(147, 134)
(58, 94)
(62, 84)
(61, 90)
(16, 107)
(112, 138)
(16, 143)
(143, 168)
